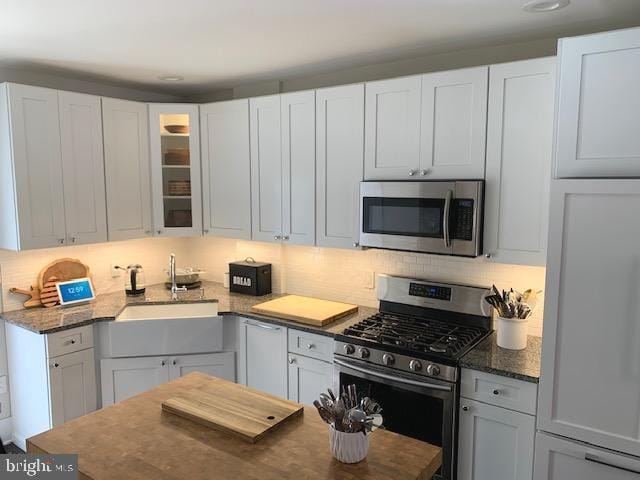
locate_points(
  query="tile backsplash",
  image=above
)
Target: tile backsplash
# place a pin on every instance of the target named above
(334, 274)
(349, 275)
(21, 269)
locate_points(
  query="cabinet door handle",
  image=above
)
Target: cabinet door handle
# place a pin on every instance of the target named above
(424, 172)
(465, 408)
(73, 239)
(72, 342)
(412, 173)
(266, 327)
(56, 365)
(292, 361)
(174, 362)
(163, 363)
(496, 392)
(310, 346)
(61, 241)
(286, 237)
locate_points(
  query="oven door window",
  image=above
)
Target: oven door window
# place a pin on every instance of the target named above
(412, 217)
(406, 412)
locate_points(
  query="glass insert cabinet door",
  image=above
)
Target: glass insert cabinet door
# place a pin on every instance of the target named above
(175, 169)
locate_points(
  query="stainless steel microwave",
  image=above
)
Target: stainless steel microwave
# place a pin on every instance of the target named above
(443, 217)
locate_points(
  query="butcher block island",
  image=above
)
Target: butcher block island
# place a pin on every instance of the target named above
(136, 439)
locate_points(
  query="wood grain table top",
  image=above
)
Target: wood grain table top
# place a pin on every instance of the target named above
(135, 439)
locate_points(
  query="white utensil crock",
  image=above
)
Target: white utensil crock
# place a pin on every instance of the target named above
(512, 333)
(348, 447)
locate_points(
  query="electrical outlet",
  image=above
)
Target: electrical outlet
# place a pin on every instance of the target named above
(115, 272)
(370, 280)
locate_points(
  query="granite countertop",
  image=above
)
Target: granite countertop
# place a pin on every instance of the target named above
(107, 306)
(487, 356)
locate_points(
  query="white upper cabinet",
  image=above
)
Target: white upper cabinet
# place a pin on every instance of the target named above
(266, 168)
(127, 169)
(175, 169)
(339, 164)
(519, 150)
(52, 168)
(37, 218)
(590, 372)
(298, 167)
(392, 128)
(453, 127)
(83, 168)
(598, 121)
(226, 170)
(283, 168)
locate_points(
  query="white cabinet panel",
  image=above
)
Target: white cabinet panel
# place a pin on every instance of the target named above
(127, 168)
(494, 443)
(125, 377)
(298, 167)
(561, 459)
(499, 390)
(392, 128)
(599, 105)
(519, 146)
(453, 128)
(263, 352)
(175, 214)
(83, 167)
(266, 168)
(221, 365)
(339, 167)
(72, 379)
(590, 378)
(308, 378)
(226, 170)
(37, 160)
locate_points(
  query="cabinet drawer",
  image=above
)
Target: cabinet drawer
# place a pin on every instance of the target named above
(311, 345)
(500, 391)
(69, 341)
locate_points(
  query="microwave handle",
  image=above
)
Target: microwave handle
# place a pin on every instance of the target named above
(445, 218)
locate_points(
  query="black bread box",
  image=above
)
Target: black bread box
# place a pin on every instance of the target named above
(250, 277)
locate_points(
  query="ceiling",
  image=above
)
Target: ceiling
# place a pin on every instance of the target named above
(218, 44)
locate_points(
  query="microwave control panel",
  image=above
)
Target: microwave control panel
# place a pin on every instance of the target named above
(463, 213)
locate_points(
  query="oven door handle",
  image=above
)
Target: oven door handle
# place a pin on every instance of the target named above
(445, 218)
(406, 381)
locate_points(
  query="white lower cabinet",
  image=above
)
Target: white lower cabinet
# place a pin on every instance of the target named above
(308, 377)
(52, 379)
(125, 377)
(561, 459)
(496, 428)
(494, 443)
(262, 358)
(72, 383)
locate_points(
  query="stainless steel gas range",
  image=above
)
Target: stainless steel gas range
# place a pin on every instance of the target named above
(407, 357)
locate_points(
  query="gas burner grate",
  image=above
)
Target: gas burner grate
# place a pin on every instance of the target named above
(416, 334)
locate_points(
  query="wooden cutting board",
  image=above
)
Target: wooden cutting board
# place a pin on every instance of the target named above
(235, 409)
(312, 311)
(63, 269)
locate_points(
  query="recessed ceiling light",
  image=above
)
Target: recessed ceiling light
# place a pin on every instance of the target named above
(170, 78)
(538, 6)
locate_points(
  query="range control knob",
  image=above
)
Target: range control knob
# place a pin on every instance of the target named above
(388, 359)
(349, 349)
(363, 352)
(415, 365)
(433, 370)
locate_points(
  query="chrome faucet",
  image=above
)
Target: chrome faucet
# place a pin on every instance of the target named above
(172, 273)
